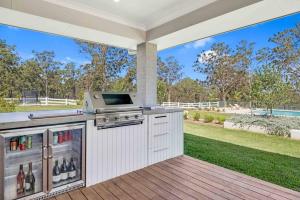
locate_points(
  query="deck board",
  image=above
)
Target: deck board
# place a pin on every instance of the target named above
(182, 178)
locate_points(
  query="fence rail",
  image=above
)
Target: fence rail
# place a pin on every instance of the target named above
(191, 105)
(45, 101)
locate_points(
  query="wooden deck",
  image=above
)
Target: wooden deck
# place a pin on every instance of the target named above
(183, 178)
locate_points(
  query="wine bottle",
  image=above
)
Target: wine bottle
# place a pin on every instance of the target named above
(30, 180)
(21, 181)
(72, 169)
(56, 173)
(64, 170)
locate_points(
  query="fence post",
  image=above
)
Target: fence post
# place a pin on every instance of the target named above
(46, 99)
(209, 104)
(66, 102)
(178, 105)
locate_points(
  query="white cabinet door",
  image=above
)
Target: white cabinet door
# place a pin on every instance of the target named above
(176, 130)
(114, 152)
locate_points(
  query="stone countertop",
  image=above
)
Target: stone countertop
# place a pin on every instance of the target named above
(20, 119)
(162, 111)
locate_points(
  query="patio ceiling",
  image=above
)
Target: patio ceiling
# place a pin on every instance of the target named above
(127, 23)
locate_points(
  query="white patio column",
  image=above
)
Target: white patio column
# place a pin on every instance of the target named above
(147, 73)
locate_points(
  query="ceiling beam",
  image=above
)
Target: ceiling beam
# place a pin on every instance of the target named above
(54, 16)
(256, 13)
(205, 13)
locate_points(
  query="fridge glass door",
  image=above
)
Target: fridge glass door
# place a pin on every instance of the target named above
(23, 162)
(65, 155)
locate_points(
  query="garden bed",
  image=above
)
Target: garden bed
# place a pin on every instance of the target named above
(281, 126)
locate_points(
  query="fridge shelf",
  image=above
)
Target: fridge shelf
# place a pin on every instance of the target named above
(28, 152)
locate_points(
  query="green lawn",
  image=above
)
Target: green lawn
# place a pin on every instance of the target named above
(269, 158)
(35, 108)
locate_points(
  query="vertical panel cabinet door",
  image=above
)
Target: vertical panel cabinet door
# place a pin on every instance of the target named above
(176, 130)
(66, 156)
(22, 161)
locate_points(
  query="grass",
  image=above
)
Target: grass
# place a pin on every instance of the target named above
(274, 144)
(269, 158)
(36, 108)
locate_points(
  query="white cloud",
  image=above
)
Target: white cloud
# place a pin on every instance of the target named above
(13, 27)
(199, 43)
(207, 54)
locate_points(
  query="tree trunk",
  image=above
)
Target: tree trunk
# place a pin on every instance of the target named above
(224, 100)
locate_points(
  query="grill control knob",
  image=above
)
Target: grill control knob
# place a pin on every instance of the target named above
(104, 119)
(136, 116)
(117, 118)
(126, 117)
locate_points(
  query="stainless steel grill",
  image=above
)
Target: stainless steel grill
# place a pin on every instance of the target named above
(113, 109)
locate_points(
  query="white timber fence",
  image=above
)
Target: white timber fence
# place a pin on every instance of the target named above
(198, 105)
(45, 101)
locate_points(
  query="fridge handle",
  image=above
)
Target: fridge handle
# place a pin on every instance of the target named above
(50, 151)
(45, 152)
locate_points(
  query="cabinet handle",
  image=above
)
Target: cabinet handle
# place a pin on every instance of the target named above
(162, 116)
(161, 149)
(45, 152)
(159, 123)
(161, 134)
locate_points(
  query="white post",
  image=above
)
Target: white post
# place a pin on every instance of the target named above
(209, 105)
(66, 102)
(46, 99)
(147, 73)
(178, 104)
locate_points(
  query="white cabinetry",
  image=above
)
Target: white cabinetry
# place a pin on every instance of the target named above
(116, 151)
(165, 136)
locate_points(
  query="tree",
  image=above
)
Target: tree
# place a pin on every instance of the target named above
(285, 55)
(268, 88)
(49, 66)
(226, 70)
(31, 76)
(126, 83)
(8, 70)
(70, 77)
(169, 72)
(188, 90)
(161, 91)
(106, 64)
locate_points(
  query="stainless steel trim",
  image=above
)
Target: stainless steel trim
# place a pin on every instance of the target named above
(83, 149)
(45, 161)
(115, 125)
(32, 116)
(50, 160)
(2, 162)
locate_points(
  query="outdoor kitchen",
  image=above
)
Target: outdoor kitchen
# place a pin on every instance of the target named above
(46, 153)
(82, 86)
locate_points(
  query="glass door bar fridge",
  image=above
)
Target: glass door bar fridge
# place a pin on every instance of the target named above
(41, 162)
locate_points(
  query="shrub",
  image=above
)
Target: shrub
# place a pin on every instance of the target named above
(279, 126)
(196, 116)
(6, 106)
(208, 118)
(185, 116)
(221, 119)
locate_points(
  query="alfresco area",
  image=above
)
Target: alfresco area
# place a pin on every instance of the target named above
(141, 99)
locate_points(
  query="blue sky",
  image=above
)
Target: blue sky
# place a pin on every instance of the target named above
(67, 50)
